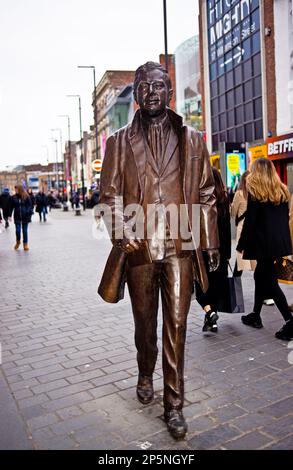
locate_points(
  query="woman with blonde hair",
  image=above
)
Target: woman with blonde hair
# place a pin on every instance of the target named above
(265, 237)
(21, 205)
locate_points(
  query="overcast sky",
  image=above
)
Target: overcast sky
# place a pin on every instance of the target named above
(43, 41)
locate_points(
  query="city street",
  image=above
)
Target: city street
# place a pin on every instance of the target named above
(68, 373)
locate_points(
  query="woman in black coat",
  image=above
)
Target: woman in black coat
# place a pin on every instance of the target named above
(266, 237)
(21, 206)
(209, 300)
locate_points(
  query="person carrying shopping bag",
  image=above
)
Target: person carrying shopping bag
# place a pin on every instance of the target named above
(265, 237)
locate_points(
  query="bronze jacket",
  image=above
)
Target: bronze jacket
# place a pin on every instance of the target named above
(122, 178)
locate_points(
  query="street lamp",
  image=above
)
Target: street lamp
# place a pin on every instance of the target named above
(81, 148)
(165, 33)
(66, 167)
(56, 151)
(95, 102)
(60, 134)
(47, 157)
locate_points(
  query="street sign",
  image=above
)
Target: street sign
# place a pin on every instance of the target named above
(97, 165)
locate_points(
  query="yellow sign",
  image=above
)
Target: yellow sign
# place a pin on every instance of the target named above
(233, 162)
(260, 151)
(215, 160)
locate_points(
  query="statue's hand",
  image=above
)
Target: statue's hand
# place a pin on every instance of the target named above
(213, 259)
(128, 245)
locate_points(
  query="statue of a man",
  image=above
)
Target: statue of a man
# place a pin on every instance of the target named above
(156, 162)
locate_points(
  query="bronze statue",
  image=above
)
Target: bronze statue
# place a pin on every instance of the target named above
(157, 161)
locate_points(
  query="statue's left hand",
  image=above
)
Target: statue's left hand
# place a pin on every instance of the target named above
(213, 259)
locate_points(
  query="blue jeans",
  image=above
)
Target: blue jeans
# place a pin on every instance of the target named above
(24, 231)
(44, 212)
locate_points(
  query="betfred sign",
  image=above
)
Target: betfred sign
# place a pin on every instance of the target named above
(97, 165)
(280, 147)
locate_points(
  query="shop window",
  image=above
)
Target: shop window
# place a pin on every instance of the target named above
(257, 86)
(248, 112)
(238, 95)
(215, 124)
(230, 80)
(215, 107)
(231, 135)
(249, 132)
(238, 75)
(255, 42)
(223, 121)
(239, 115)
(258, 108)
(239, 134)
(247, 70)
(258, 130)
(230, 99)
(231, 118)
(248, 91)
(214, 88)
(222, 103)
(256, 64)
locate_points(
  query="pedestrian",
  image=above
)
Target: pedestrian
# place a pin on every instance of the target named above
(209, 300)
(21, 208)
(5, 205)
(238, 212)
(32, 197)
(50, 200)
(156, 162)
(76, 200)
(265, 237)
(41, 205)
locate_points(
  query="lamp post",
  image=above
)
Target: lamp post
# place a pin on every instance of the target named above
(95, 103)
(56, 152)
(165, 33)
(66, 166)
(47, 158)
(81, 149)
(61, 151)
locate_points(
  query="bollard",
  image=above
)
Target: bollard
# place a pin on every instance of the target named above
(77, 211)
(65, 207)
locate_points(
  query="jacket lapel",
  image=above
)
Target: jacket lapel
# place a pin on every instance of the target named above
(169, 150)
(136, 140)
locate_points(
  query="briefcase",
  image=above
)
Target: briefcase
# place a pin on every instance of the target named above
(232, 300)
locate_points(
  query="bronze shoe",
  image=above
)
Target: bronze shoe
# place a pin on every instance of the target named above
(176, 423)
(144, 389)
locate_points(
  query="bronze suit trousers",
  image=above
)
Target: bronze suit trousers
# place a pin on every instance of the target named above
(174, 277)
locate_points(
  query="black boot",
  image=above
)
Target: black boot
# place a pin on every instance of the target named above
(176, 423)
(144, 389)
(252, 319)
(286, 332)
(210, 321)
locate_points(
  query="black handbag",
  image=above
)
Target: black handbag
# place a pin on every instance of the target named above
(231, 300)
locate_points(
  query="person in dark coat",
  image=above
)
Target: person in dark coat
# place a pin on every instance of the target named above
(21, 207)
(5, 205)
(265, 237)
(32, 197)
(209, 299)
(41, 205)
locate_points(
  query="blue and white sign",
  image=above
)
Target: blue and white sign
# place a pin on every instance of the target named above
(231, 24)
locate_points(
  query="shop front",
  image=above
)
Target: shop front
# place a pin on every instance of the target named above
(280, 151)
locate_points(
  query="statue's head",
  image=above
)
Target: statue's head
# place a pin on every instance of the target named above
(152, 88)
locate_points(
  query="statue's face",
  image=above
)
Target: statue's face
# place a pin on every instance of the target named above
(153, 94)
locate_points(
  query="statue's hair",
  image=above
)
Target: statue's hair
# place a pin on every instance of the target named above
(147, 67)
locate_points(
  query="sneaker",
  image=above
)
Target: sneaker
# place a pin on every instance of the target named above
(252, 319)
(269, 302)
(210, 322)
(286, 332)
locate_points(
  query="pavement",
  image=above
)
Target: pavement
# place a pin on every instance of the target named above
(68, 373)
